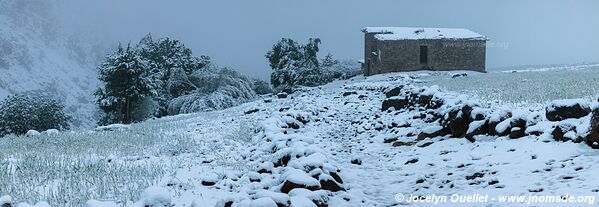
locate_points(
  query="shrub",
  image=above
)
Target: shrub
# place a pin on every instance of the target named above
(262, 87)
(20, 113)
(341, 70)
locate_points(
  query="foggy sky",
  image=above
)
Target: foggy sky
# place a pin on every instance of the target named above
(238, 33)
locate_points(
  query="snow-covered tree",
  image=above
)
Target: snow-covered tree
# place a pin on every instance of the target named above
(22, 112)
(328, 61)
(126, 81)
(167, 80)
(284, 57)
(170, 63)
(294, 64)
(218, 88)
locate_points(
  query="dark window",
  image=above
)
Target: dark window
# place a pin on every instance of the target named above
(423, 55)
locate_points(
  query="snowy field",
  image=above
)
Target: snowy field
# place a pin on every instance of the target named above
(336, 132)
(523, 85)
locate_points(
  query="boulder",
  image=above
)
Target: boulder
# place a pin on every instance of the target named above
(517, 127)
(328, 183)
(299, 179)
(400, 143)
(282, 95)
(389, 140)
(356, 162)
(397, 103)
(32, 133)
(559, 110)
(459, 121)
(491, 127)
(592, 139)
(516, 132)
(431, 131)
(5, 201)
(348, 93)
(518, 122)
(283, 160)
(503, 128)
(251, 111)
(209, 180)
(424, 100)
(336, 176)
(495, 119)
(558, 134)
(477, 127)
(394, 92)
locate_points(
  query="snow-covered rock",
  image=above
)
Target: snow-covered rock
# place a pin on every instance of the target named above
(299, 179)
(210, 179)
(96, 203)
(565, 109)
(32, 133)
(51, 132)
(155, 197)
(5, 201)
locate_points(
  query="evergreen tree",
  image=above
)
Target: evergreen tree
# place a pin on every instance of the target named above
(284, 57)
(328, 61)
(126, 79)
(170, 64)
(294, 64)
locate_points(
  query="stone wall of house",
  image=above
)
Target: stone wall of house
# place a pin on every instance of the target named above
(404, 55)
(371, 62)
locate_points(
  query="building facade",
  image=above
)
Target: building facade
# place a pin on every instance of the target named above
(396, 49)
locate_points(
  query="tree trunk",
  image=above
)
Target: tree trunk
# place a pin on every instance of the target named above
(126, 118)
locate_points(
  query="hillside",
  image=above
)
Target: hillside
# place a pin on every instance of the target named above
(36, 55)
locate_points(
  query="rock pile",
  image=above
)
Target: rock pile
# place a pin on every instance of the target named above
(297, 170)
(563, 120)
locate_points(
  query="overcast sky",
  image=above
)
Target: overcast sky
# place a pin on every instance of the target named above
(238, 33)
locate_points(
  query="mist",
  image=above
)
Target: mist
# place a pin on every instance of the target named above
(238, 33)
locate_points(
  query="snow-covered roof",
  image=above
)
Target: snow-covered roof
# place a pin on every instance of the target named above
(419, 33)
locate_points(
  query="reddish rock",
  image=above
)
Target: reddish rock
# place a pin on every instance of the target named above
(592, 138)
(288, 186)
(565, 109)
(459, 121)
(328, 183)
(516, 132)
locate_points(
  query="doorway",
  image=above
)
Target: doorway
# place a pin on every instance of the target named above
(423, 54)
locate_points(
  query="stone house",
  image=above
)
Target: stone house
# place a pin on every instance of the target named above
(395, 49)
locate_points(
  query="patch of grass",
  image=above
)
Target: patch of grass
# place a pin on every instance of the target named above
(70, 168)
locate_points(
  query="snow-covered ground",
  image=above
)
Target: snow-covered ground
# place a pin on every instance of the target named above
(335, 133)
(522, 85)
